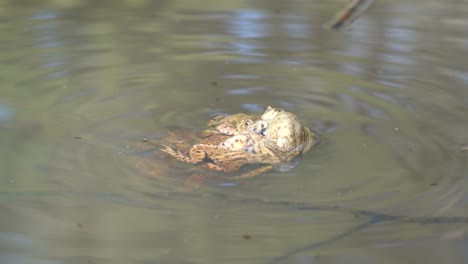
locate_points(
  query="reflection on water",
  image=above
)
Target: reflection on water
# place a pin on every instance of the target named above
(84, 83)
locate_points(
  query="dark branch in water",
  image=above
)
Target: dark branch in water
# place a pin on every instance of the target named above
(346, 16)
(372, 217)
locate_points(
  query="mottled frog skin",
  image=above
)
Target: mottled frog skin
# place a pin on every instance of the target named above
(285, 135)
(226, 156)
(230, 123)
(278, 136)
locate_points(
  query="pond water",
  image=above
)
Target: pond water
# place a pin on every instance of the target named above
(83, 82)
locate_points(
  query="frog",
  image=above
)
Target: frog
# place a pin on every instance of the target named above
(277, 137)
(235, 122)
(223, 152)
(285, 136)
(284, 133)
(226, 156)
(153, 163)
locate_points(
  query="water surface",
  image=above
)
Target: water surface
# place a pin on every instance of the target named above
(84, 81)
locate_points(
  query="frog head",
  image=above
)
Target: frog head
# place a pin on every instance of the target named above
(258, 127)
(244, 124)
(270, 113)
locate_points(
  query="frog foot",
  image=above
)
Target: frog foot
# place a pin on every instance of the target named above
(253, 173)
(212, 166)
(193, 182)
(177, 154)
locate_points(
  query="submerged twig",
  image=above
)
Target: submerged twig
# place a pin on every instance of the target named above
(348, 14)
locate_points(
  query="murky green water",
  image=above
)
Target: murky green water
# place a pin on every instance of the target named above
(84, 81)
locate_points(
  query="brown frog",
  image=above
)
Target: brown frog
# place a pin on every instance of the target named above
(221, 151)
(237, 122)
(152, 163)
(277, 137)
(284, 133)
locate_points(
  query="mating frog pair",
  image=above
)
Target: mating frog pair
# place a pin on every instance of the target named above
(277, 136)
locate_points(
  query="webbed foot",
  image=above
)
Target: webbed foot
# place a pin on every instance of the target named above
(253, 173)
(177, 154)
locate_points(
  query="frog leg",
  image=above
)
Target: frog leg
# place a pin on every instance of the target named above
(174, 138)
(194, 182)
(182, 157)
(150, 170)
(272, 146)
(235, 143)
(253, 173)
(175, 153)
(263, 154)
(212, 166)
(199, 153)
(280, 153)
(227, 163)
